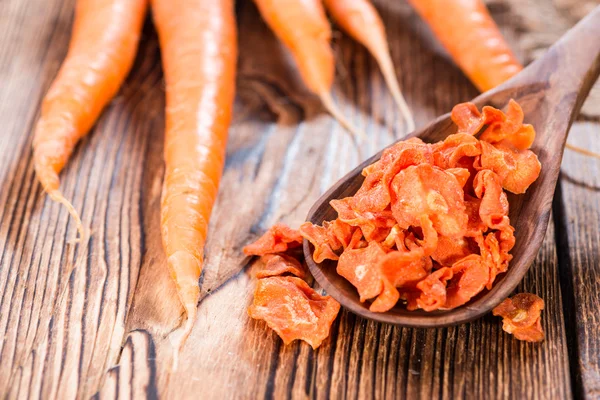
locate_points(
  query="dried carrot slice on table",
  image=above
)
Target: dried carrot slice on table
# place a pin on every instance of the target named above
(521, 316)
(293, 309)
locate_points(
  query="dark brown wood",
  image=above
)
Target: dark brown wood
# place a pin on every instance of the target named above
(551, 91)
(108, 335)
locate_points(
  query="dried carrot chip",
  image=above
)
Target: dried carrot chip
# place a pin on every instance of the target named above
(521, 316)
(280, 264)
(433, 290)
(387, 299)
(509, 128)
(517, 168)
(450, 250)
(471, 275)
(450, 152)
(401, 155)
(405, 269)
(493, 209)
(361, 268)
(293, 309)
(374, 225)
(277, 239)
(462, 175)
(500, 126)
(467, 118)
(426, 190)
(320, 238)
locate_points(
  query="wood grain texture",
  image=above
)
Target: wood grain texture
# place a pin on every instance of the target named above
(108, 338)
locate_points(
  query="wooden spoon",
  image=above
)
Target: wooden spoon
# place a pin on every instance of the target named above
(551, 91)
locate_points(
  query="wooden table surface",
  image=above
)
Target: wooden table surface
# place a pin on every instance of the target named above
(107, 335)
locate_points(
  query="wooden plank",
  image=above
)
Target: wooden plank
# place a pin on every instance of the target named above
(284, 150)
(63, 349)
(579, 245)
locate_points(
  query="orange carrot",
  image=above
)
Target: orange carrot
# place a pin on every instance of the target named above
(470, 35)
(360, 20)
(199, 50)
(303, 27)
(101, 53)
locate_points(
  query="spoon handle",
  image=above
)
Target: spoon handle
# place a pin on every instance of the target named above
(555, 85)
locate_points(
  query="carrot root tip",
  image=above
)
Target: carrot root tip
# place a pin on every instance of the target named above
(389, 74)
(81, 231)
(331, 107)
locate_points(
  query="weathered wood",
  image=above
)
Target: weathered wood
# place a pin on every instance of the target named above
(579, 246)
(283, 152)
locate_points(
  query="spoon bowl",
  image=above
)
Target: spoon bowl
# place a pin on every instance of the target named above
(551, 91)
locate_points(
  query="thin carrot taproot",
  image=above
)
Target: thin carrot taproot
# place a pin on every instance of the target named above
(303, 28)
(199, 51)
(466, 29)
(101, 52)
(360, 19)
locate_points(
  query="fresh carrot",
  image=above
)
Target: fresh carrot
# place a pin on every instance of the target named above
(303, 27)
(360, 20)
(472, 38)
(101, 52)
(199, 51)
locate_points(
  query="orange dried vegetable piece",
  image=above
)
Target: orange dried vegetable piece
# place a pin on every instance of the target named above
(516, 168)
(405, 269)
(450, 250)
(361, 268)
(427, 190)
(401, 155)
(500, 126)
(454, 149)
(510, 128)
(323, 241)
(278, 239)
(375, 226)
(521, 316)
(474, 224)
(462, 175)
(493, 209)
(280, 264)
(471, 275)
(433, 290)
(293, 309)
(341, 231)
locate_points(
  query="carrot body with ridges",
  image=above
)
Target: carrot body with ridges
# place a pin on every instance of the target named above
(466, 29)
(101, 52)
(199, 51)
(360, 19)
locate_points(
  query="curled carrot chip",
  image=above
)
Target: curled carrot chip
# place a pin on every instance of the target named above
(521, 316)
(493, 209)
(471, 275)
(339, 232)
(401, 155)
(516, 168)
(450, 250)
(474, 224)
(280, 264)
(500, 126)
(450, 152)
(324, 244)
(426, 190)
(433, 290)
(467, 118)
(509, 127)
(293, 309)
(374, 225)
(361, 268)
(405, 269)
(277, 239)
(462, 175)
(387, 299)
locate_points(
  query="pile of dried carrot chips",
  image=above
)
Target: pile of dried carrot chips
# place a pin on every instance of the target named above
(429, 226)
